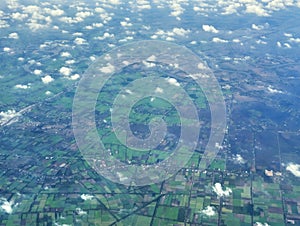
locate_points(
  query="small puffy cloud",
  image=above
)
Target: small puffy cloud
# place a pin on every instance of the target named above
(238, 159)
(47, 79)
(37, 72)
(6, 206)
(70, 62)
(109, 68)
(210, 28)
(287, 45)
(86, 197)
(13, 35)
(74, 77)
(295, 40)
(83, 15)
(143, 4)
(219, 40)
(257, 27)
(209, 211)
(279, 44)
(151, 58)
(54, 12)
(217, 188)
(201, 66)
(80, 212)
(170, 39)
(6, 116)
(65, 54)
(19, 16)
(288, 35)
(20, 86)
(71, 20)
(173, 81)
(159, 90)
(273, 90)
(97, 25)
(80, 41)
(6, 49)
(180, 31)
(125, 24)
(92, 58)
(105, 36)
(148, 64)
(256, 9)
(65, 71)
(99, 10)
(294, 169)
(261, 42)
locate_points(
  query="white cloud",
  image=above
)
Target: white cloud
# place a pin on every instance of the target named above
(232, 8)
(201, 66)
(142, 4)
(288, 35)
(294, 169)
(70, 62)
(47, 79)
(80, 41)
(71, 20)
(159, 90)
(273, 90)
(65, 54)
(65, 71)
(19, 16)
(86, 197)
(219, 190)
(6, 116)
(180, 31)
(209, 28)
(125, 24)
(261, 42)
(105, 36)
(37, 72)
(20, 86)
(257, 27)
(151, 58)
(238, 159)
(287, 45)
(148, 64)
(279, 44)
(296, 40)
(170, 39)
(256, 8)
(209, 211)
(107, 69)
(54, 12)
(13, 35)
(80, 212)
(99, 10)
(173, 81)
(98, 25)
(83, 15)
(6, 49)
(219, 40)
(6, 206)
(74, 77)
